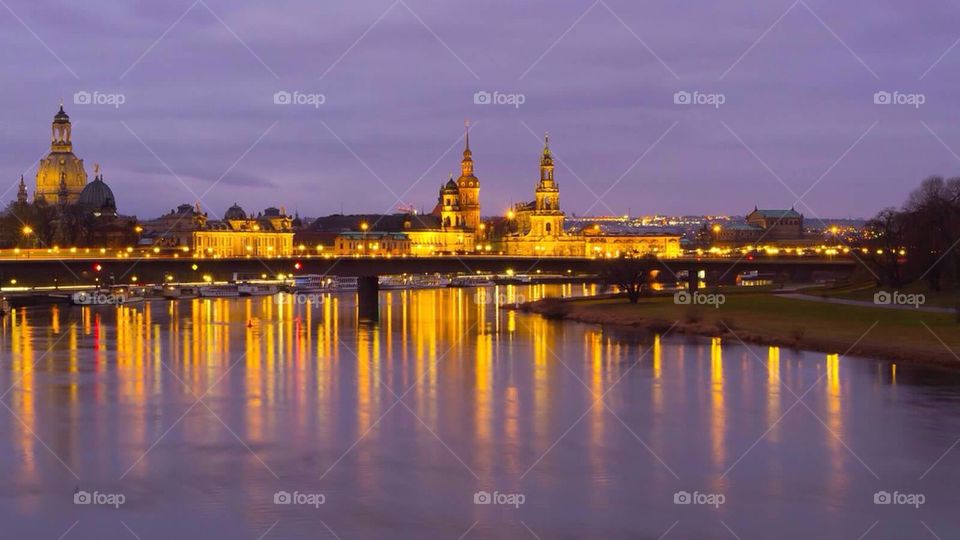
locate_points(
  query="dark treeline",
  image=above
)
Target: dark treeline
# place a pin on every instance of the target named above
(918, 241)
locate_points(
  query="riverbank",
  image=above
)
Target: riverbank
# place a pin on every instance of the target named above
(766, 319)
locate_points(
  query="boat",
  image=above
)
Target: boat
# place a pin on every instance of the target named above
(219, 290)
(471, 281)
(341, 283)
(257, 289)
(114, 295)
(4, 306)
(181, 292)
(310, 283)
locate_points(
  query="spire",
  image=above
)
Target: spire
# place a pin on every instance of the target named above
(466, 165)
(22, 192)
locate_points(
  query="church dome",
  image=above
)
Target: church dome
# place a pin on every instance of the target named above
(235, 212)
(60, 164)
(97, 195)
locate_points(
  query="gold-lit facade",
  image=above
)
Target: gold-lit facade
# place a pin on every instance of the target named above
(60, 175)
(538, 228)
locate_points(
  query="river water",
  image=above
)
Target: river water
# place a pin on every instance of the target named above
(451, 418)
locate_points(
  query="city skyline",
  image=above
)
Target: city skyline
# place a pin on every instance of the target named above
(797, 81)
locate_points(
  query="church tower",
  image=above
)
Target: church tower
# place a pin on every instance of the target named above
(469, 187)
(547, 219)
(450, 214)
(60, 165)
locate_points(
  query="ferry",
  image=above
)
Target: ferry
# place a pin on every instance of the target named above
(115, 295)
(219, 290)
(181, 292)
(413, 282)
(310, 283)
(471, 281)
(342, 283)
(257, 289)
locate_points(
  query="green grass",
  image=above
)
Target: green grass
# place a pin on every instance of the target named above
(899, 334)
(946, 298)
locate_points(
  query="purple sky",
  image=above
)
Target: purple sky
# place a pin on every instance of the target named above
(399, 79)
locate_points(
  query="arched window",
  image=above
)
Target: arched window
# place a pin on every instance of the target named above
(548, 228)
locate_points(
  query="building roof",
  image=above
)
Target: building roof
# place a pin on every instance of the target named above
(235, 212)
(376, 222)
(791, 213)
(97, 195)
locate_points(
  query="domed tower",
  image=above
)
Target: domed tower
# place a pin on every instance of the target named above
(235, 213)
(469, 187)
(450, 212)
(97, 197)
(547, 219)
(59, 164)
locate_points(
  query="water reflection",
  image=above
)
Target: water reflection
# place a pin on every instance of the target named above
(305, 397)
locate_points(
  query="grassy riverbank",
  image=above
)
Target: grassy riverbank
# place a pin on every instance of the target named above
(898, 335)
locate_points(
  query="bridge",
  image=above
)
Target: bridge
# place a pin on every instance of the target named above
(85, 270)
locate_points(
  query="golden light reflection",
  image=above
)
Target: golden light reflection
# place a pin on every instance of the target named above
(718, 420)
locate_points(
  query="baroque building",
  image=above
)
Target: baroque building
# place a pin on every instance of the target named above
(60, 175)
(268, 234)
(537, 228)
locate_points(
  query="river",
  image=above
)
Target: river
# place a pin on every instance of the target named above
(452, 418)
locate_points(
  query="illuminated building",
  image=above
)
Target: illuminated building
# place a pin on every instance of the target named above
(372, 243)
(269, 234)
(769, 226)
(539, 223)
(60, 172)
(538, 228)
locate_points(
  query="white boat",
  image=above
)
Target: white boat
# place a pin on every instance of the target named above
(310, 283)
(342, 283)
(219, 290)
(117, 295)
(257, 289)
(471, 281)
(181, 292)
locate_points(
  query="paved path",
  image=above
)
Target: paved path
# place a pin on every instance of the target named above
(862, 303)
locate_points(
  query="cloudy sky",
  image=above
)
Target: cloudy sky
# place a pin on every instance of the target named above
(777, 101)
